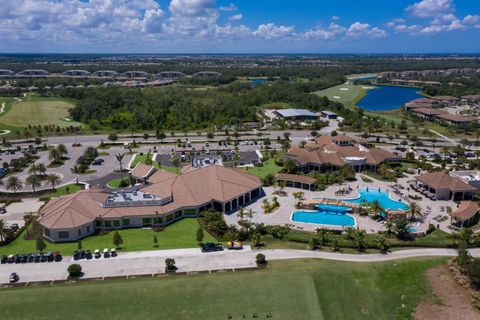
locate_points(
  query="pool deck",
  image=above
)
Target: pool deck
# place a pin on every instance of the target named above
(282, 216)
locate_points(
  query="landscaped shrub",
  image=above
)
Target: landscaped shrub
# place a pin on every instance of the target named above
(473, 272)
(170, 265)
(431, 228)
(74, 270)
(260, 260)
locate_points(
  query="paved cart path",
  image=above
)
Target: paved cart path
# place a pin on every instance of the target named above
(192, 260)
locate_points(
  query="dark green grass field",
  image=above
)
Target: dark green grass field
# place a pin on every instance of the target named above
(290, 289)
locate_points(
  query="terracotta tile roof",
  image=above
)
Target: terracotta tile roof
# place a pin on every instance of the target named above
(430, 111)
(295, 177)
(142, 171)
(465, 211)
(193, 188)
(343, 138)
(440, 180)
(457, 118)
(327, 152)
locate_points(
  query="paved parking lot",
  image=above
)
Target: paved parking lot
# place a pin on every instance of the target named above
(17, 210)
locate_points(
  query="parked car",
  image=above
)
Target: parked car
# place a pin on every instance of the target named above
(113, 252)
(4, 259)
(14, 227)
(211, 247)
(98, 255)
(97, 162)
(3, 210)
(49, 256)
(14, 277)
(106, 254)
(88, 255)
(234, 245)
(57, 257)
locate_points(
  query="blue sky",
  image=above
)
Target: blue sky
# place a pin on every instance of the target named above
(240, 26)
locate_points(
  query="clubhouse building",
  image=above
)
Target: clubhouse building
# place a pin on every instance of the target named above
(330, 153)
(162, 199)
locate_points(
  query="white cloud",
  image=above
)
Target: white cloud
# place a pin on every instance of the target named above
(332, 31)
(235, 17)
(271, 31)
(431, 8)
(471, 19)
(357, 30)
(229, 8)
(334, 18)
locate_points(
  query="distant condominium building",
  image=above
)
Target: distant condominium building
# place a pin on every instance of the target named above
(76, 73)
(171, 75)
(110, 74)
(33, 73)
(4, 73)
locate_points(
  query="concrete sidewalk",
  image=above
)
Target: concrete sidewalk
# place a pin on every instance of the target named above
(192, 260)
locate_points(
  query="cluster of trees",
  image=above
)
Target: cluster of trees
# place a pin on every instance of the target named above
(178, 108)
(84, 161)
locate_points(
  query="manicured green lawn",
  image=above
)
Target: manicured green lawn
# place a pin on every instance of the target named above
(60, 191)
(38, 111)
(180, 234)
(348, 97)
(143, 159)
(289, 289)
(115, 183)
(269, 167)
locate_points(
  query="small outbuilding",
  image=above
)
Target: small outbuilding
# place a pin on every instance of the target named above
(465, 214)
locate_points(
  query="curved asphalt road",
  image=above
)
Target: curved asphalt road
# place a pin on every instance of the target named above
(192, 260)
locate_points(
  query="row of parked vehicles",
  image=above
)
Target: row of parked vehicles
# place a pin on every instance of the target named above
(88, 255)
(32, 257)
(212, 247)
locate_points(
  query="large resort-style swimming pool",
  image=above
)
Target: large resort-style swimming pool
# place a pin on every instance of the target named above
(337, 215)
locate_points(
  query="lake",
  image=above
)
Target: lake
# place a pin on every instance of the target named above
(388, 98)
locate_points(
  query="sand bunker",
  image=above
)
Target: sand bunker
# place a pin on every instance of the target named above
(368, 88)
(344, 89)
(336, 97)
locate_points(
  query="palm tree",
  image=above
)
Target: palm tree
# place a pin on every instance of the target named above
(176, 162)
(33, 169)
(119, 157)
(241, 213)
(5, 230)
(359, 239)
(62, 150)
(54, 155)
(76, 171)
(323, 235)
(375, 207)
(41, 169)
(414, 210)
(54, 179)
(290, 165)
(383, 244)
(389, 226)
(14, 184)
(33, 181)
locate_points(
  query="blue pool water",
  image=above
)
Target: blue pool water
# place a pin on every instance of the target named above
(258, 81)
(325, 214)
(382, 196)
(388, 98)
